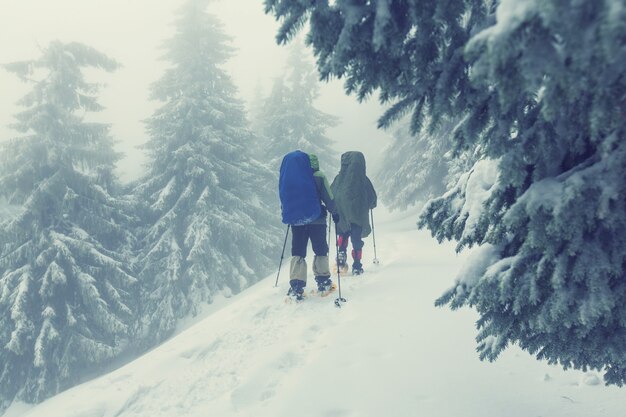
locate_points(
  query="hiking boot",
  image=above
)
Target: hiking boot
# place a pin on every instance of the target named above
(323, 283)
(357, 270)
(297, 289)
(296, 296)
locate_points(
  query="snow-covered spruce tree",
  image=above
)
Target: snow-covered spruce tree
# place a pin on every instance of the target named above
(255, 108)
(209, 228)
(541, 87)
(66, 292)
(419, 167)
(272, 125)
(290, 120)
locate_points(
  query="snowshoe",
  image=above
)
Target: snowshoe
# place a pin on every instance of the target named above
(325, 286)
(341, 264)
(328, 290)
(323, 283)
(294, 297)
(343, 269)
(357, 270)
(296, 291)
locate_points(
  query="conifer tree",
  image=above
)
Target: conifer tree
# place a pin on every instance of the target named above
(66, 292)
(209, 229)
(541, 90)
(418, 167)
(290, 120)
(255, 108)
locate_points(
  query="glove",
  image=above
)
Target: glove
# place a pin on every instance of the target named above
(335, 217)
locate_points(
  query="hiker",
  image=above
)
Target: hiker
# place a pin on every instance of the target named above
(354, 197)
(305, 200)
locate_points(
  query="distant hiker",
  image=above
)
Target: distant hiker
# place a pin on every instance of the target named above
(355, 197)
(305, 200)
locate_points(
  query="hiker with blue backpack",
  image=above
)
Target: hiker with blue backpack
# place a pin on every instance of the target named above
(355, 197)
(306, 198)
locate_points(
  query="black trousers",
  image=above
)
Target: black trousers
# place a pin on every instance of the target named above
(300, 238)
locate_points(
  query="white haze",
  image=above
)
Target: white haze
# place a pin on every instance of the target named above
(131, 32)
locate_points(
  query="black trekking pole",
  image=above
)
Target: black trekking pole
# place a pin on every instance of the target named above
(376, 261)
(282, 255)
(339, 299)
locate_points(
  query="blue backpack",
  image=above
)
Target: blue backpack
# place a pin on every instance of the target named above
(299, 201)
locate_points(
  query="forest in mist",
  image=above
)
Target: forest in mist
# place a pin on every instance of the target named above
(505, 120)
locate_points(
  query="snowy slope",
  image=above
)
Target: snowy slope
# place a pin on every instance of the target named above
(387, 352)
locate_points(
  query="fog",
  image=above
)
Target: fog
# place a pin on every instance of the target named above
(131, 32)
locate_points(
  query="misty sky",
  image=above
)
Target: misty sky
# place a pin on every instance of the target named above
(131, 31)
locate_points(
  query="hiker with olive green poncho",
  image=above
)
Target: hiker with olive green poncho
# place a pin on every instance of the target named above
(354, 198)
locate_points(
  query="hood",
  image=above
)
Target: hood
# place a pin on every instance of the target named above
(353, 161)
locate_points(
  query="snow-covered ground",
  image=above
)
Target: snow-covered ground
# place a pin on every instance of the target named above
(387, 352)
